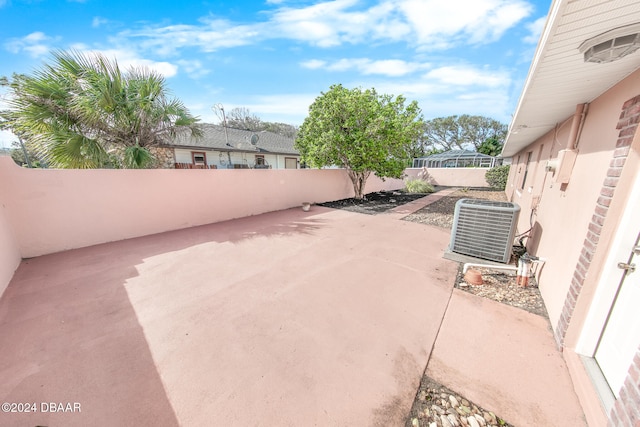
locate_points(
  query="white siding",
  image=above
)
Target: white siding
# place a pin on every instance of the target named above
(221, 158)
(183, 156)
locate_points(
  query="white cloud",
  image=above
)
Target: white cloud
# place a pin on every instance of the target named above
(430, 24)
(482, 103)
(348, 64)
(324, 24)
(36, 44)
(97, 22)
(535, 29)
(313, 64)
(426, 24)
(128, 58)
(35, 37)
(387, 67)
(454, 89)
(469, 76)
(441, 24)
(212, 35)
(285, 108)
(164, 68)
(441, 100)
(392, 67)
(193, 68)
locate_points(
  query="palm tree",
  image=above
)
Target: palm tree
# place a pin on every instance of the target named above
(491, 146)
(82, 111)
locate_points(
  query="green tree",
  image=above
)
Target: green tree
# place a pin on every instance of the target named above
(82, 111)
(491, 146)
(462, 132)
(361, 131)
(497, 177)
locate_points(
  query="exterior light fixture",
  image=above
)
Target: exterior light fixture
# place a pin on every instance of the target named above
(611, 45)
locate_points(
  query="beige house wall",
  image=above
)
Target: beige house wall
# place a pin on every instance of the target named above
(561, 213)
(574, 229)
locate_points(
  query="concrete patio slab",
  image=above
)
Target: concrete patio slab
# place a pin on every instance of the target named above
(505, 360)
(290, 318)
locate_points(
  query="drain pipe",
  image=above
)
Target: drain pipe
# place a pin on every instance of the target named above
(489, 266)
(577, 125)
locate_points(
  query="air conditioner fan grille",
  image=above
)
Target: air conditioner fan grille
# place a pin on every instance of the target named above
(484, 229)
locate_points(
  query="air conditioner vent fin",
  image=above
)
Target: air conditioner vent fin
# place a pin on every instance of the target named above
(484, 229)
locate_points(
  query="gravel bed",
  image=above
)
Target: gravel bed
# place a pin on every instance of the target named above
(437, 406)
(501, 286)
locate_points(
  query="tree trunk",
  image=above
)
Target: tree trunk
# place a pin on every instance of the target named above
(359, 179)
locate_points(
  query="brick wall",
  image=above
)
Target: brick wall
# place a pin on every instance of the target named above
(628, 124)
(626, 411)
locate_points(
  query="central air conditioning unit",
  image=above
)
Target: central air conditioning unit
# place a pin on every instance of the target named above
(484, 229)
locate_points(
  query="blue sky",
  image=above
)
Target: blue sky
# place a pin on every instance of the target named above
(275, 57)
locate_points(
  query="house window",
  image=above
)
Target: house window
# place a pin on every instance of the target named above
(199, 158)
(259, 160)
(526, 169)
(290, 163)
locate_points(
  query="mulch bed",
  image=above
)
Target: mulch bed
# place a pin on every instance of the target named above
(374, 203)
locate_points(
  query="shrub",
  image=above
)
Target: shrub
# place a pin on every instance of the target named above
(417, 185)
(497, 177)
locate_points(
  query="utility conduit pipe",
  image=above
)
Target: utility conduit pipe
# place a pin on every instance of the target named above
(523, 270)
(577, 125)
(496, 267)
(490, 266)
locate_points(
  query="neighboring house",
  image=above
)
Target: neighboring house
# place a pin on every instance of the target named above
(229, 148)
(575, 145)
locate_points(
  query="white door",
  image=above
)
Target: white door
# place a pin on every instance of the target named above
(620, 337)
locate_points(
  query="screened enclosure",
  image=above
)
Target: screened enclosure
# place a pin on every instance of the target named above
(457, 159)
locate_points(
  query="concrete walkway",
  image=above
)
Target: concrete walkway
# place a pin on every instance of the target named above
(292, 318)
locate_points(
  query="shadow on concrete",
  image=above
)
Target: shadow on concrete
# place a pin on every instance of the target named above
(69, 333)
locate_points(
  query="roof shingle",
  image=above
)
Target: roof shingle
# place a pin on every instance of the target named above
(214, 138)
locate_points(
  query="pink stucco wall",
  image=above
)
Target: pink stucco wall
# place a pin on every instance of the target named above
(562, 213)
(454, 177)
(47, 210)
(9, 252)
(55, 210)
